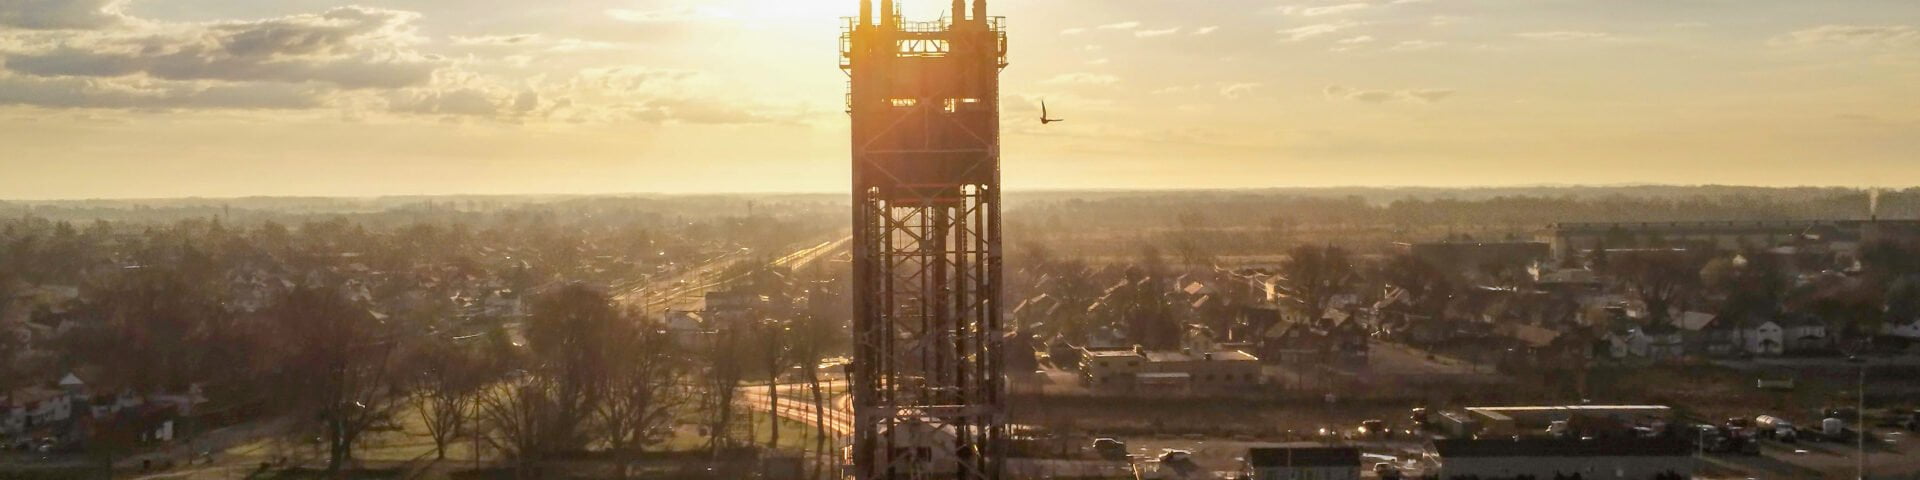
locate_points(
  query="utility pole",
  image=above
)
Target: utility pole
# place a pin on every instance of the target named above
(1860, 414)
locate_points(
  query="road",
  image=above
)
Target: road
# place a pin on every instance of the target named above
(685, 290)
(795, 404)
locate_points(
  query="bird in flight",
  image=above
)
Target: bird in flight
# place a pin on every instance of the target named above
(1043, 115)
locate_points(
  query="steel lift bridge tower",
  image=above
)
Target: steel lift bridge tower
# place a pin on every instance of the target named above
(928, 395)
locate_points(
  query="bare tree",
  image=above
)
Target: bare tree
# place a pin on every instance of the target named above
(644, 393)
(775, 355)
(1317, 274)
(569, 337)
(336, 368)
(1659, 279)
(812, 339)
(443, 390)
(520, 414)
(725, 369)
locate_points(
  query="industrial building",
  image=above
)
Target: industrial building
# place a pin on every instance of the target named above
(1842, 235)
(1468, 256)
(1305, 463)
(1169, 372)
(1541, 458)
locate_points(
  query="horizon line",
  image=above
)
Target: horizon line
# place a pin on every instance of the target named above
(614, 194)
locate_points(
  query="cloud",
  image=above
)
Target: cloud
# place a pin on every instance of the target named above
(1356, 40)
(1425, 95)
(533, 42)
(457, 101)
(61, 14)
(1564, 35)
(1416, 45)
(700, 111)
(1207, 30)
(669, 15)
(358, 60)
(636, 94)
(1324, 10)
(1083, 78)
(346, 47)
(1853, 35)
(498, 40)
(89, 93)
(1316, 30)
(1429, 95)
(1237, 90)
(1121, 26)
(1156, 33)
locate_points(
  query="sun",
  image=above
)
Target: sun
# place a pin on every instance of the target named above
(814, 9)
(797, 10)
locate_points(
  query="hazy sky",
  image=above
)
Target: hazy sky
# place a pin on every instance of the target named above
(150, 98)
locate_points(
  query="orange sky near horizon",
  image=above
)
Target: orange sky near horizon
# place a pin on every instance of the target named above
(217, 98)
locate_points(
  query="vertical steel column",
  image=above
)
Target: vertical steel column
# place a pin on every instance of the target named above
(927, 383)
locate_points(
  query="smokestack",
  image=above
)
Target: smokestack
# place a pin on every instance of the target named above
(959, 11)
(1873, 205)
(886, 13)
(866, 12)
(980, 11)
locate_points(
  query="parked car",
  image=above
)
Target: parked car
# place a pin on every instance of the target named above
(1179, 462)
(1386, 471)
(1110, 449)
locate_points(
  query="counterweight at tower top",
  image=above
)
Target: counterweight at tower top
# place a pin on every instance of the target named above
(943, 74)
(929, 396)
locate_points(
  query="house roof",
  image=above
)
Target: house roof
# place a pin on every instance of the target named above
(1798, 320)
(1304, 457)
(1695, 321)
(1660, 329)
(1231, 355)
(1534, 336)
(1457, 448)
(1196, 288)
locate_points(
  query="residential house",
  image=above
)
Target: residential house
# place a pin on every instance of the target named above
(1695, 337)
(1803, 333)
(1343, 341)
(1292, 344)
(1907, 329)
(1254, 320)
(37, 407)
(1763, 337)
(1663, 341)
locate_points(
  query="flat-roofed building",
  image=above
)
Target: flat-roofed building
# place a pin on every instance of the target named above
(1573, 237)
(1468, 256)
(1616, 458)
(1303, 463)
(1141, 369)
